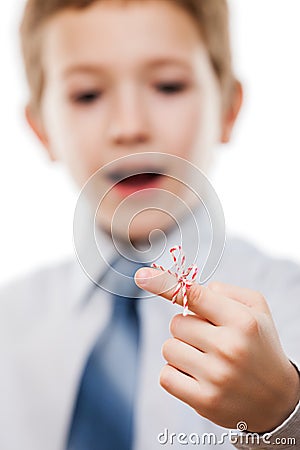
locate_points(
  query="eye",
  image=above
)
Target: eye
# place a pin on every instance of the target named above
(171, 88)
(86, 97)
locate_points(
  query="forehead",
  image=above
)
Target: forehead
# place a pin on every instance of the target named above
(122, 33)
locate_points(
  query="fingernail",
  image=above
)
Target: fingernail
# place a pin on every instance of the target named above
(142, 277)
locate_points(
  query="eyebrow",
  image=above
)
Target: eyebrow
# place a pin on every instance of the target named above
(151, 64)
(81, 68)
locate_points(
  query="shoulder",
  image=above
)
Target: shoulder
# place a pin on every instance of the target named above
(30, 298)
(245, 263)
(45, 280)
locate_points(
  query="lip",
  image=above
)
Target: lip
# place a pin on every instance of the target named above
(129, 182)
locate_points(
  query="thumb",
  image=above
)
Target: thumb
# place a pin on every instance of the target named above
(219, 303)
(163, 284)
(157, 282)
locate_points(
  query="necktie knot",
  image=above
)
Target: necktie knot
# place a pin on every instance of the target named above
(120, 278)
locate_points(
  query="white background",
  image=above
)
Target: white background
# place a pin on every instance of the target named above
(256, 176)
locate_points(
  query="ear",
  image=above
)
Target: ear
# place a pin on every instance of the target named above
(35, 122)
(231, 111)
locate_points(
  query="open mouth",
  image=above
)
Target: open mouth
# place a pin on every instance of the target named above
(135, 180)
(126, 182)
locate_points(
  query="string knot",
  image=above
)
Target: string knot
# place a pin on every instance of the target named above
(181, 274)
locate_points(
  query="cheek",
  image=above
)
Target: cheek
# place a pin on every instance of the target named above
(74, 136)
(190, 127)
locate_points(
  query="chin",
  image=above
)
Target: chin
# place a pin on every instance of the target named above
(139, 228)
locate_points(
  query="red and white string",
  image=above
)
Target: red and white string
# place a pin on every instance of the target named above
(182, 274)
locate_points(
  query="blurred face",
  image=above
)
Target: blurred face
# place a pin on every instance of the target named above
(129, 79)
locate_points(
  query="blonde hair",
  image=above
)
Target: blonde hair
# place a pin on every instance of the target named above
(210, 16)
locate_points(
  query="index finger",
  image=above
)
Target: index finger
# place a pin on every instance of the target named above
(204, 302)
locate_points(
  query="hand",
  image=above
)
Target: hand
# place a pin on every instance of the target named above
(226, 360)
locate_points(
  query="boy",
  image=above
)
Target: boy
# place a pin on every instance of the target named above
(110, 79)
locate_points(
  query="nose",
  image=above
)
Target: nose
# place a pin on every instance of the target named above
(128, 125)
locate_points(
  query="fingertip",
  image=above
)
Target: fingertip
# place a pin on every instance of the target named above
(142, 276)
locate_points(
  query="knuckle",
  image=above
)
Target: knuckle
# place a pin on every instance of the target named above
(212, 399)
(222, 377)
(194, 293)
(261, 300)
(234, 350)
(249, 325)
(214, 286)
(259, 297)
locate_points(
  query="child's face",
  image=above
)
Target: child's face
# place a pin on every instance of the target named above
(123, 79)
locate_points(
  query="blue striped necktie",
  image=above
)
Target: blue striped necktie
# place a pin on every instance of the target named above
(103, 413)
